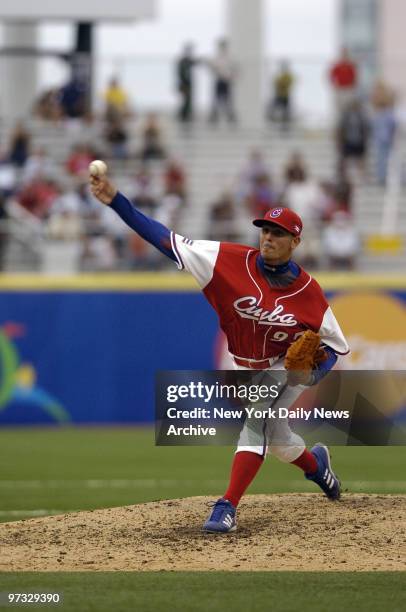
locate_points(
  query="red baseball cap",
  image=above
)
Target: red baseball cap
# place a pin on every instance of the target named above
(284, 217)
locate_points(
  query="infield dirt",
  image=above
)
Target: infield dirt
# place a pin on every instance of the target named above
(275, 532)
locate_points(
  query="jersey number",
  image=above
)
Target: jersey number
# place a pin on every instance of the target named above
(280, 336)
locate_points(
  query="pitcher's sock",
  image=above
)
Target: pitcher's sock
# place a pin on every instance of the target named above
(307, 462)
(243, 471)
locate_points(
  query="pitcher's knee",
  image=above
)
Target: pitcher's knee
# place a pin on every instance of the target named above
(287, 453)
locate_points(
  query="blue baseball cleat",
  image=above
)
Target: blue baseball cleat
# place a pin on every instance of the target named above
(222, 518)
(325, 477)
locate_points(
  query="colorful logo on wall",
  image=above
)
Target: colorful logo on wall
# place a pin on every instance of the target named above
(375, 327)
(18, 380)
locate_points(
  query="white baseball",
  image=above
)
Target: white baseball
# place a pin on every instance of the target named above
(97, 167)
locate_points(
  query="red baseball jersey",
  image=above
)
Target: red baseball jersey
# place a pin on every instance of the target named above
(260, 321)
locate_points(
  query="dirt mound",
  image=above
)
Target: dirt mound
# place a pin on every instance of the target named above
(275, 532)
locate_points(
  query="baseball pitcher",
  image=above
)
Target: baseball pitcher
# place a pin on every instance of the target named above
(274, 315)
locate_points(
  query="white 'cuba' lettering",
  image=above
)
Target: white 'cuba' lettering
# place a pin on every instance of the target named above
(247, 308)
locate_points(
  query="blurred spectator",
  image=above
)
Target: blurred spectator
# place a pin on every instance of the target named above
(222, 220)
(73, 99)
(383, 137)
(3, 230)
(98, 253)
(382, 96)
(305, 197)
(103, 234)
(152, 147)
(343, 192)
(261, 197)
(8, 175)
(175, 179)
(282, 87)
(77, 200)
(253, 168)
(185, 87)
(64, 222)
(295, 169)
(78, 161)
(343, 78)
(341, 242)
(38, 196)
(337, 197)
(168, 209)
(145, 192)
(117, 138)
(224, 72)
(112, 225)
(48, 105)
(352, 138)
(38, 164)
(382, 100)
(19, 145)
(116, 99)
(143, 256)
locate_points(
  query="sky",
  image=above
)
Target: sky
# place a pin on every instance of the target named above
(143, 53)
(291, 26)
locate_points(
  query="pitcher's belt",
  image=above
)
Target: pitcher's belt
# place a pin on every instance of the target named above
(256, 364)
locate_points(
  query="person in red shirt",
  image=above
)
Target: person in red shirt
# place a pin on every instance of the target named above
(175, 179)
(79, 160)
(38, 196)
(343, 77)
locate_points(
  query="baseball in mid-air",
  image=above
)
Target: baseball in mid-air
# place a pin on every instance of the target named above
(97, 167)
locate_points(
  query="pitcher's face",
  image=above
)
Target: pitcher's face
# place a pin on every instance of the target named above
(276, 244)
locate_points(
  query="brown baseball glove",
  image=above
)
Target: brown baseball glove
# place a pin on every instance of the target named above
(302, 357)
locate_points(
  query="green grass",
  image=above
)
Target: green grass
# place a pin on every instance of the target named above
(72, 469)
(212, 591)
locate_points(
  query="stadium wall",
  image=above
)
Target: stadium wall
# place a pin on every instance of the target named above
(86, 349)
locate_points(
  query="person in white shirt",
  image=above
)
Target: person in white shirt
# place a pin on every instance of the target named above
(224, 73)
(306, 198)
(341, 242)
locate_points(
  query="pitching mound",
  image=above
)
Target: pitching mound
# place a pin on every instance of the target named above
(276, 532)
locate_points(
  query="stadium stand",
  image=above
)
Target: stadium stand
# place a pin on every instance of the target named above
(213, 161)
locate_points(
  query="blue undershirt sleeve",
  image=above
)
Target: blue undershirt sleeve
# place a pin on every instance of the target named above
(324, 367)
(152, 231)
